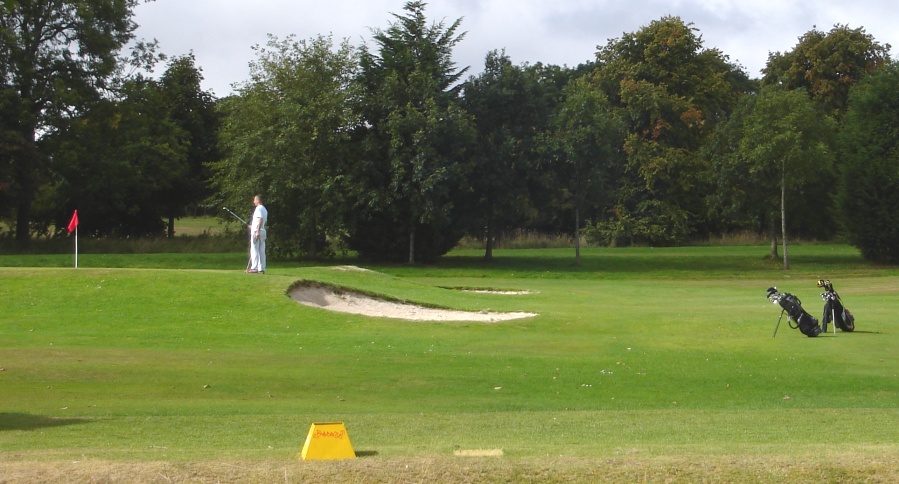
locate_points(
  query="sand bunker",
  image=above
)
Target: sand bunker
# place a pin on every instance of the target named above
(497, 291)
(349, 302)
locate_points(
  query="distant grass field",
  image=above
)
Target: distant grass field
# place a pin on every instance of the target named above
(643, 365)
(194, 226)
(193, 235)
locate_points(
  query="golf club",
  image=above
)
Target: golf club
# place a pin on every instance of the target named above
(249, 259)
(235, 215)
(797, 318)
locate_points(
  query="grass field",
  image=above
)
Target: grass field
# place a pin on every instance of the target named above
(643, 365)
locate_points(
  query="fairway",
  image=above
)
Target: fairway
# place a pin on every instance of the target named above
(640, 365)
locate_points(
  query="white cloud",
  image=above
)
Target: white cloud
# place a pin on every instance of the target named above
(221, 33)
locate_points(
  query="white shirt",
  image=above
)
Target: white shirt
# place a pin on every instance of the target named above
(260, 217)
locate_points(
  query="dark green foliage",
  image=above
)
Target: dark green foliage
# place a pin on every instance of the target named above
(55, 58)
(773, 134)
(512, 106)
(583, 148)
(413, 174)
(869, 196)
(286, 135)
(672, 92)
(826, 65)
(193, 111)
(12, 145)
(118, 163)
(381, 238)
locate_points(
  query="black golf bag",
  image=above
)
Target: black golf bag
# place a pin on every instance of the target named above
(834, 311)
(790, 304)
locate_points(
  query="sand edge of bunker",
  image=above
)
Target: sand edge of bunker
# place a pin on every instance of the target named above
(343, 300)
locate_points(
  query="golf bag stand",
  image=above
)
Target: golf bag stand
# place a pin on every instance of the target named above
(790, 304)
(834, 311)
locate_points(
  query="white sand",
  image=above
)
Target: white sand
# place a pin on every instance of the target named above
(348, 302)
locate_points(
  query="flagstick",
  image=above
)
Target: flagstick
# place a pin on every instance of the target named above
(76, 247)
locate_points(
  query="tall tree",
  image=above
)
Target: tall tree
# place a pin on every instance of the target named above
(118, 162)
(54, 55)
(787, 143)
(869, 192)
(735, 203)
(586, 139)
(413, 176)
(511, 106)
(193, 110)
(286, 134)
(827, 65)
(673, 92)
(12, 144)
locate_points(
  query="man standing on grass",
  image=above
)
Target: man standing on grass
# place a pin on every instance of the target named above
(257, 237)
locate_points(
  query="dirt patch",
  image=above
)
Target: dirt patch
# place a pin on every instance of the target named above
(478, 453)
(354, 303)
(351, 269)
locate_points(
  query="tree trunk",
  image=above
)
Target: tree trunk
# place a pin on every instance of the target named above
(412, 245)
(23, 218)
(488, 245)
(171, 227)
(783, 213)
(312, 244)
(772, 232)
(24, 171)
(577, 236)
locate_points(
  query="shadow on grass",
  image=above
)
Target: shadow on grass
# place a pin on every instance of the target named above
(24, 421)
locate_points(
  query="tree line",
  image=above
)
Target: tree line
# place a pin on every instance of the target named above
(391, 149)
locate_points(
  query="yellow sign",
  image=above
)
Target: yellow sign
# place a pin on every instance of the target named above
(328, 441)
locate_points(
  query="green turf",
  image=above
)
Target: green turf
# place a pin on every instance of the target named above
(651, 352)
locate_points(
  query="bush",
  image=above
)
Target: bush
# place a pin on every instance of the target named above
(869, 193)
(653, 223)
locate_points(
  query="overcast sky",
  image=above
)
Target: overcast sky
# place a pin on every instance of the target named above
(221, 33)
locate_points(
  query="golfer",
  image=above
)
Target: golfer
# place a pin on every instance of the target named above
(257, 237)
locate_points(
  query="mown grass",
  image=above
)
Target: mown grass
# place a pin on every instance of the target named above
(643, 365)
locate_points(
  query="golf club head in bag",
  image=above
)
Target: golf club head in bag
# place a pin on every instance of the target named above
(834, 311)
(805, 322)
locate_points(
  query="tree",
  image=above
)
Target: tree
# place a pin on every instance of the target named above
(827, 65)
(118, 162)
(511, 106)
(736, 204)
(672, 92)
(287, 135)
(786, 144)
(412, 180)
(12, 144)
(192, 110)
(54, 56)
(869, 140)
(586, 143)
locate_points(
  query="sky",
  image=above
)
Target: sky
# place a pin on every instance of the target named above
(222, 33)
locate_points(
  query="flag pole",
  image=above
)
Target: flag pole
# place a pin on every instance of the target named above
(73, 227)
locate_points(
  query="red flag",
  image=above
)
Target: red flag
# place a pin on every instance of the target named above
(74, 223)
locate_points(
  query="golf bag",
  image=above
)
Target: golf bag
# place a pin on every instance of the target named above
(834, 311)
(790, 304)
